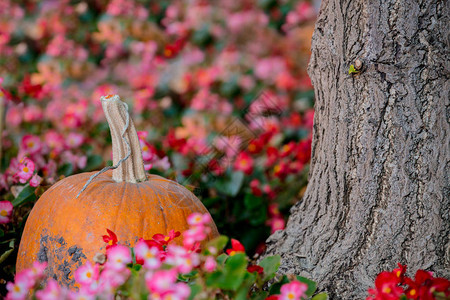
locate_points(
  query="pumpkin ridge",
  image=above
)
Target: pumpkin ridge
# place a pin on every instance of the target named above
(158, 196)
(142, 217)
(120, 206)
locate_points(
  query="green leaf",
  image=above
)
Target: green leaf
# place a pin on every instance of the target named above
(321, 296)
(231, 185)
(312, 286)
(251, 201)
(5, 255)
(66, 169)
(221, 259)
(25, 196)
(249, 280)
(270, 265)
(276, 287)
(219, 243)
(195, 289)
(260, 295)
(352, 70)
(94, 162)
(232, 275)
(2, 233)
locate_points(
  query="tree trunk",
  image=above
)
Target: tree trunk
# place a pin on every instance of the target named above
(379, 181)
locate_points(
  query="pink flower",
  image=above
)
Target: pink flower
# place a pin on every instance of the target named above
(162, 281)
(148, 151)
(35, 180)
(14, 115)
(210, 264)
(31, 144)
(196, 219)
(26, 170)
(38, 269)
(87, 274)
(150, 255)
(22, 284)
(293, 290)
(6, 209)
(110, 279)
(194, 234)
(74, 140)
(82, 294)
(276, 223)
(52, 291)
(162, 164)
(180, 291)
(118, 257)
(55, 141)
(182, 259)
(32, 113)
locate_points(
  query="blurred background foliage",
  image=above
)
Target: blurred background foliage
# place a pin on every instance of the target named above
(217, 89)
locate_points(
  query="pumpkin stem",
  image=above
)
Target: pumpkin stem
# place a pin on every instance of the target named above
(125, 144)
(127, 156)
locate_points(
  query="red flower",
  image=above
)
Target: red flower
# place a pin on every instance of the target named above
(172, 142)
(166, 239)
(154, 244)
(273, 297)
(255, 268)
(400, 272)
(255, 146)
(110, 239)
(236, 247)
(287, 149)
(425, 285)
(255, 186)
(272, 156)
(304, 151)
(34, 90)
(281, 170)
(244, 163)
(386, 287)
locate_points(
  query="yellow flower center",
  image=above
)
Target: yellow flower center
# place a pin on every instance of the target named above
(167, 238)
(277, 168)
(149, 255)
(399, 273)
(412, 292)
(387, 290)
(291, 296)
(251, 147)
(88, 274)
(232, 253)
(110, 242)
(17, 289)
(25, 169)
(167, 52)
(3, 213)
(30, 144)
(145, 148)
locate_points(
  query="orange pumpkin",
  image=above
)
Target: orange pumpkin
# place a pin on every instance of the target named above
(65, 230)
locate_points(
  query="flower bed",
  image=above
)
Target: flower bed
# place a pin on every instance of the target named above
(222, 102)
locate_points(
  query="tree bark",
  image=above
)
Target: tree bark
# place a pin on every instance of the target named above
(379, 181)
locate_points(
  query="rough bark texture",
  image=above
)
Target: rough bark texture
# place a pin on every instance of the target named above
(379, 182)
